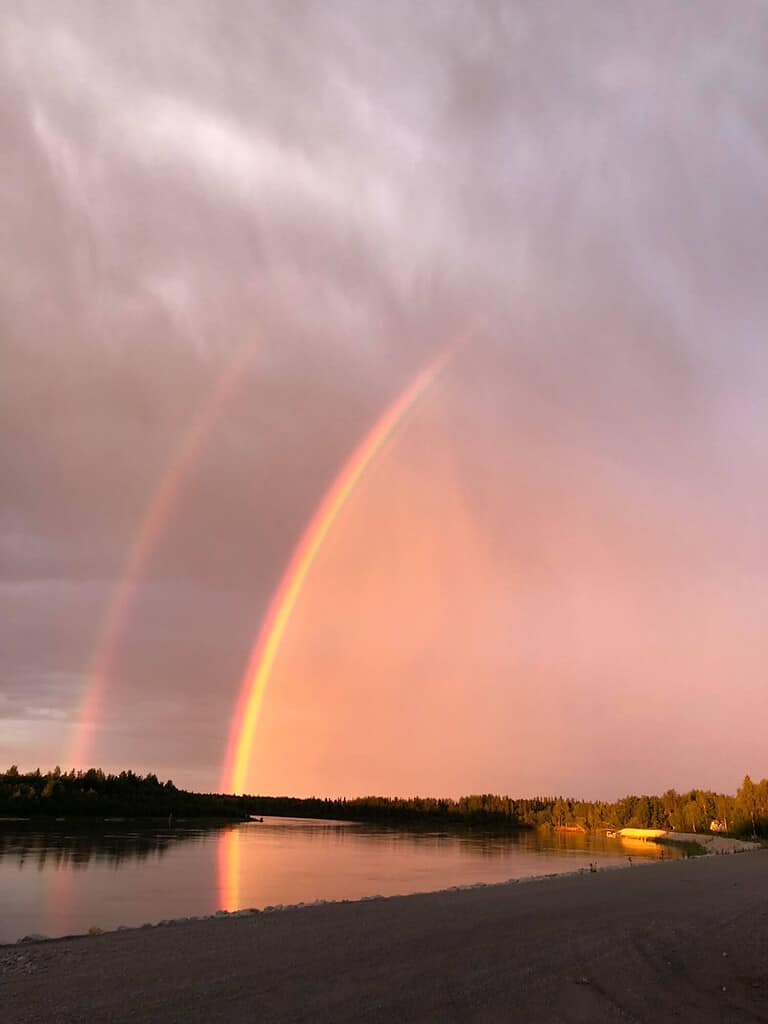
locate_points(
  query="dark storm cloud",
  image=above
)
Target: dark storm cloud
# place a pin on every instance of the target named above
(343, 186)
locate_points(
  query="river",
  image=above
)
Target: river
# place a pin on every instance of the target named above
(74, 877)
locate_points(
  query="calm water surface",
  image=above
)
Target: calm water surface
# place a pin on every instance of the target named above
(70, 878)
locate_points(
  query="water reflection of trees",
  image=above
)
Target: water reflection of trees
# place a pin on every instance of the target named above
(76, 848)
(491, 843)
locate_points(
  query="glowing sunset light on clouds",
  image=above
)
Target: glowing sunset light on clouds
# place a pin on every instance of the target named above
(532, 564)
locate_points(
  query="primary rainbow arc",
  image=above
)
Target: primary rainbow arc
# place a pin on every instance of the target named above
(265, 649)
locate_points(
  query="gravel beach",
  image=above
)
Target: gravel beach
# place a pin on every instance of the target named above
(684, 940)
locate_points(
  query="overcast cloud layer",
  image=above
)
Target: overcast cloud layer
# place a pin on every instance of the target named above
(562, 558)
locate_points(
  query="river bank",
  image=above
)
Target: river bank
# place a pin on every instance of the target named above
(685, 940)
(707, 842)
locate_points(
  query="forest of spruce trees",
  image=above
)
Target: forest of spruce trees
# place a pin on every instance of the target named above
(95, 794)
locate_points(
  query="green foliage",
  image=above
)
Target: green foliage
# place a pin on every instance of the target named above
(751, 807)
(746, 813)
(94, 794)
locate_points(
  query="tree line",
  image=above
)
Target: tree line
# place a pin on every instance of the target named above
(746, 813)
(94, 793)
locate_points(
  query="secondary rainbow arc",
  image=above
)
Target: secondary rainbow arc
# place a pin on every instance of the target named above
(153, 525)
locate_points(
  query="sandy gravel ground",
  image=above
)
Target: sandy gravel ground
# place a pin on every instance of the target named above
(683, 940)
(712, 842)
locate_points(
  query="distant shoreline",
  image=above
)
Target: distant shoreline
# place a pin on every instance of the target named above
(95, 793)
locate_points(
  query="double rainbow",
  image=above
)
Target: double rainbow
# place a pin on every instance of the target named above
(265, 649)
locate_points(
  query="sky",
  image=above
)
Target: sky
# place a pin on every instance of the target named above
(231, 235)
